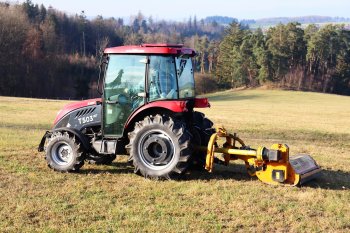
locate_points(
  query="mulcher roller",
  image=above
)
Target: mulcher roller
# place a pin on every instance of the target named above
(271, 166)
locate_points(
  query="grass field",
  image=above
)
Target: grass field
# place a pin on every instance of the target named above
(113, 199)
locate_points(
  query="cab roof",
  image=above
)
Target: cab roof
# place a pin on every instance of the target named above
(166, 49)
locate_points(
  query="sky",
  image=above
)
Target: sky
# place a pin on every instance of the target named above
(182, 9)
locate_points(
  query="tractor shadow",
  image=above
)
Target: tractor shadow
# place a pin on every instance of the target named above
(231, 172)
(114, 168)
(328, 179)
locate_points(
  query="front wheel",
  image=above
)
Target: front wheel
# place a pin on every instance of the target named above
(63, 153)
(159, 147)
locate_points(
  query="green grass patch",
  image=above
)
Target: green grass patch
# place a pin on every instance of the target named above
(113, 199)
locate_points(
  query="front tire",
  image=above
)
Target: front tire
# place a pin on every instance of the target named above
(159, 147)
(63, 153)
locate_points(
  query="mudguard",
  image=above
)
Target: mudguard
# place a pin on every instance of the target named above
(82, 138)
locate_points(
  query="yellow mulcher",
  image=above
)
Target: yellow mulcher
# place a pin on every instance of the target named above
(271, 166)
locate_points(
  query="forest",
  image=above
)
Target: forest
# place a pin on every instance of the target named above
(46, 53)
(288, 56)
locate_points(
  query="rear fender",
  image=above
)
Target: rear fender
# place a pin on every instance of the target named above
(168, 107)
(140, 115)
(201, 103)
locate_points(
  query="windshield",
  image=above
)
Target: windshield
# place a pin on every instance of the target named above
(185, 77)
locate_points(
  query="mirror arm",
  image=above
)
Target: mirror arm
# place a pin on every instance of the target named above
(103, 61)
(98, 81)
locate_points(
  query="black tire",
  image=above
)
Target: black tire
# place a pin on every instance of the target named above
(160, 147)
(63, 153)
(202, 130)
(100, 159)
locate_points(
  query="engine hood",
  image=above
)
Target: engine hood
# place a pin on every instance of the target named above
(76, 105)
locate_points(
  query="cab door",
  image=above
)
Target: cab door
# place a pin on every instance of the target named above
(124, 89)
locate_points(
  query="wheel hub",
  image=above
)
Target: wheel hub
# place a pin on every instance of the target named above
(62, 153)
(156, 149)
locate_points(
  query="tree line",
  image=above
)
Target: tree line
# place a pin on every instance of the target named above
(312, 58)
(48, 54)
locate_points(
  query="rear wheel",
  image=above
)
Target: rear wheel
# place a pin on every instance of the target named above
(159, 147)
(63, 153)
(202, 131)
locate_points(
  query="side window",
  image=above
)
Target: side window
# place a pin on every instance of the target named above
(185, 76)
(162, 78)
(124, 81)
(125, 76)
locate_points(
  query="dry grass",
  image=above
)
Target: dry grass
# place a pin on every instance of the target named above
(112, 198)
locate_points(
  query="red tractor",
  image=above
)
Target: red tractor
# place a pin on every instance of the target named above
(146, 111)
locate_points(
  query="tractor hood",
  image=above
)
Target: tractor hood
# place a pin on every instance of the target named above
(73, 106)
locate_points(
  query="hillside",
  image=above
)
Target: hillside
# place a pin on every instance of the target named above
(273, 21)
(112, 198)
(305, 20)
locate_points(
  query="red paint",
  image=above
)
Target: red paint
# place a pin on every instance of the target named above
(172, 105)
(166, 49)
(70, 107)
(201, 103)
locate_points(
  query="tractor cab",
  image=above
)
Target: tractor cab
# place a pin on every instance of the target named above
(135, 76)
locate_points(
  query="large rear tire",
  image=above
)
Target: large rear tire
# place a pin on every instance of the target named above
(159, 147)
(63, 153)
(202, 130)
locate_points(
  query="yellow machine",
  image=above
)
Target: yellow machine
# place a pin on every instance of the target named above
(271, 166)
